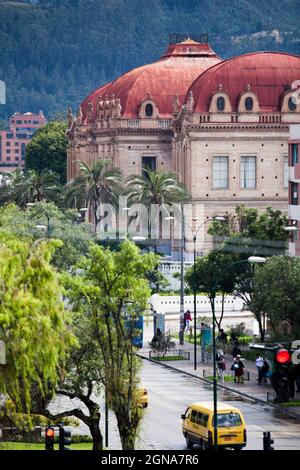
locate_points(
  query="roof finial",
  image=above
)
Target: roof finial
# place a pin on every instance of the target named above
(69, 117)
(190, 102)
(176, 104)
(220, 87)
(248, 87)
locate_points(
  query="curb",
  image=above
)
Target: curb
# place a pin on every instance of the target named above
(243, 394)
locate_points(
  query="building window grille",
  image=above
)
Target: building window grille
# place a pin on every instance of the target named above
(220, 172)
(248, 172)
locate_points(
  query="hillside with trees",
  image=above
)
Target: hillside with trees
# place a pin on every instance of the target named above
(53, 53)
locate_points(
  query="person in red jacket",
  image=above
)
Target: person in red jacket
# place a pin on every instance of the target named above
(187, 320)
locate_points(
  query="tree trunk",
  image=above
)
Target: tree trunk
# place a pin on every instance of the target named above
(261, 330)
(96, 433)
(126, 435)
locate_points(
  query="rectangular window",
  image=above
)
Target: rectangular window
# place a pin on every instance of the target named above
(8, 151)
(294, 194)
(294, 151)
(9, 136)
(248, 172)
(149, 163)
(8, 144)
(285, 171)
(194, 416)
(220, 172)
(8, 159)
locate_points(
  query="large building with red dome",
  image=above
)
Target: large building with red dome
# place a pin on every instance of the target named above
(221, 125)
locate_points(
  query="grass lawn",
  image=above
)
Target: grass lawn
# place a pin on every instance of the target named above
(227, 378)
(292, 403)
(168, 358)
(41, 446)
(188, 338)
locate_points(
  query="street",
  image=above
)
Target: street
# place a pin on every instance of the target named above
(169, 395)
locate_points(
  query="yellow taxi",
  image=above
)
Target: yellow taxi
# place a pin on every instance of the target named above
(198, 426)
(143, 397)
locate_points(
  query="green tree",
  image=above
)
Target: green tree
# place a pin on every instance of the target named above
(47, 150)
(206, 277)
(111, 290)
(276, 294)
(96, 184)
(155, 188)
(63, 226)
(22, 187)
(82, 378)
(248, 232)
(34, 323)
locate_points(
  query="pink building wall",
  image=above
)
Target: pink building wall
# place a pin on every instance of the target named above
(294, 190)
(13, 142)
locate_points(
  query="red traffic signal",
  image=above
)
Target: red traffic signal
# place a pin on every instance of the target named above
(282, 356)
(49, 438)
(49, 432)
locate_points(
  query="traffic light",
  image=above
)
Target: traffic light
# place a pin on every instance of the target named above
(49, 439)
(281, 375)
(63, 438)
(282, 356)
(267, 441)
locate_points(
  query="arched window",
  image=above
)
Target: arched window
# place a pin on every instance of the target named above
(249, 103)
(220, 103)
(149, 110)
(291, 104)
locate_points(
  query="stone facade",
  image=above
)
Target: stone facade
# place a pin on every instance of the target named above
(187, 140)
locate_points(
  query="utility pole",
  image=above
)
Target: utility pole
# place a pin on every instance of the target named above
(181, 326)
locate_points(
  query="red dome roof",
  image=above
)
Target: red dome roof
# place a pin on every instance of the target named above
(171, 75)
(268, 73)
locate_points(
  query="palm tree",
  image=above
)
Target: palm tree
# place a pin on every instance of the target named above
(32, 186)
(155, 187)
(21, 187)
(96, 184)
(8, 184)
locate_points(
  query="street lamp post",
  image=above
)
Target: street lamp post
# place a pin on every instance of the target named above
(251, 259)
(195, 233)
(220, 219)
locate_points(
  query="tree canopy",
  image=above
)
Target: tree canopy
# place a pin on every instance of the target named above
(111, 291)
(34, 323)
(47, 150)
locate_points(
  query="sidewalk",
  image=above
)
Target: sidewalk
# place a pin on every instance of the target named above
(249, 388)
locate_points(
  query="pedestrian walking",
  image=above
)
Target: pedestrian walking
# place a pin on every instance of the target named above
(188, 319)
(238, 368)
(222, 336)
(221, 367)
(259, 362)
(263, 372)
